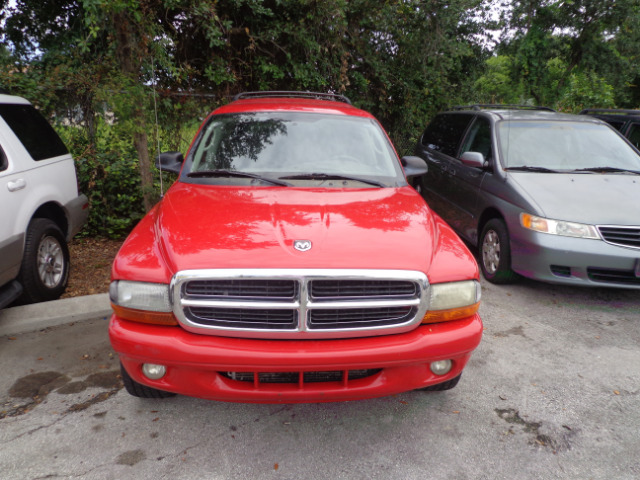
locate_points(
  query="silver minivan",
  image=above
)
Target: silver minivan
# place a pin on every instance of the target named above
(549, 196)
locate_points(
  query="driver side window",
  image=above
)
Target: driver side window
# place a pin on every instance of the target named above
(479, 138)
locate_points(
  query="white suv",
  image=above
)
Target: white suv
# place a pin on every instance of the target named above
(41, 208)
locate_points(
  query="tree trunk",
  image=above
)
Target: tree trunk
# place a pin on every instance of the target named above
(142, 147)
(130, 50)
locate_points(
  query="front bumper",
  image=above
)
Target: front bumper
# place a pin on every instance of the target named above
(194, 362)
(77, 214)
(574, 261)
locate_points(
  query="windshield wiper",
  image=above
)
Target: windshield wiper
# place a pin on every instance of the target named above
(234, 173)
(525, 168)
(607, 170)
(331, 176)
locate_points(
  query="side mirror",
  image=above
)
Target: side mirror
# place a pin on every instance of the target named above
(473, 159)
(170, 162)
(414, 166)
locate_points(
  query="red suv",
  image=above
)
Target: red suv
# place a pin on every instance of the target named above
(292, 262)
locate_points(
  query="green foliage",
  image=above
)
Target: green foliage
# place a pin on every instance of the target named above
(402, 60)
(572, 53)
(584, 90)
(108, 175)
(496, 85)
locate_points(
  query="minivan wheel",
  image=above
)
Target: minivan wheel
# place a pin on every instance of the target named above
(44, 272)
(495, 253)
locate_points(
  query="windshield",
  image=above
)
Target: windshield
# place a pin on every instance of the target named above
(292, 145)
(564, 146)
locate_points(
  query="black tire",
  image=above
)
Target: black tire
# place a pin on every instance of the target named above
(142, 391)
(440, 387)
(44, 272)
(495, 253)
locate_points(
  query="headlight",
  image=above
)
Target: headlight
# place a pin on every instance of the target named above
(558, 227)
(452, 301)
(142, 302)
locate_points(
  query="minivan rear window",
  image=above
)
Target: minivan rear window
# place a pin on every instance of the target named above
(35, 133)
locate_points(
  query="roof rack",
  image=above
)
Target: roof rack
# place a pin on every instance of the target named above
(480, 106)
(280, 94)
(589, 111)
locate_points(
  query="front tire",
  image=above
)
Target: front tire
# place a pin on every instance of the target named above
(44, 272)
(495, 253)
(142, 391)
(441, 387)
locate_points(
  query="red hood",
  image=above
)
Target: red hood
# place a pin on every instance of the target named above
(227, 227)
(201, 227)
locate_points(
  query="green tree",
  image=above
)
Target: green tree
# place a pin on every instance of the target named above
(594, 41)
(84, 60)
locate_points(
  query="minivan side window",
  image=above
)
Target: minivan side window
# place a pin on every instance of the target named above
(479, 138)
(443, 134)
(35, 133)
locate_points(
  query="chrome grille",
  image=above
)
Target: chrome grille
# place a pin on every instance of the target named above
(623, 236)
(319, 303)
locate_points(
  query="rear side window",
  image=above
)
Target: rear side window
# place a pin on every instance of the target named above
(3, 160)
(445, 131)
(35, 133)
(617, 124)
(634, 135)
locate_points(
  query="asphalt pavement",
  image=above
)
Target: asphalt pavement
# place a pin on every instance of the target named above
(552, 392)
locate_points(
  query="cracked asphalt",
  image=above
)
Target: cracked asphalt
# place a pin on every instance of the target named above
(552, 392)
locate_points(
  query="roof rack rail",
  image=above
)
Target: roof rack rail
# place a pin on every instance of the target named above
(588, 111)
(313, 95)
(480, 106)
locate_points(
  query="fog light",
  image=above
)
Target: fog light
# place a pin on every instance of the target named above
(441, 367)
(156, 372)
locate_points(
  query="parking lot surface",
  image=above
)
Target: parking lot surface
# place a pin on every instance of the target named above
(553, 391)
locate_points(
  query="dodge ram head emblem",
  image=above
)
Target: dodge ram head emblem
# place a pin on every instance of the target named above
(302, 245)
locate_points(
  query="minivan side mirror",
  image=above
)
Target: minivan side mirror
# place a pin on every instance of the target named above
(473, 159)
(414, 166)
(170, 162)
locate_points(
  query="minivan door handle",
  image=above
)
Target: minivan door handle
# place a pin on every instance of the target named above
(16, 185)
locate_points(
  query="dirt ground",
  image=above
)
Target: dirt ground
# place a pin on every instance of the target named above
(91, 260)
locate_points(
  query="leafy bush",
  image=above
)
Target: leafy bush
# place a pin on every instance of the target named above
(108, 174)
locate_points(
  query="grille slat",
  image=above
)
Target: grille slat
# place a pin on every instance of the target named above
(610, 275)
(245, 318)
(243, 289)
(358, 318)
(294, 377)
(624, 236)
(344, 289)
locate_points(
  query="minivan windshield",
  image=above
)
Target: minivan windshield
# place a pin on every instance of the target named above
(299, 147)
(564, 146)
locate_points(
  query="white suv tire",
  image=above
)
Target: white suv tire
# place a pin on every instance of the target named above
(44, 272)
